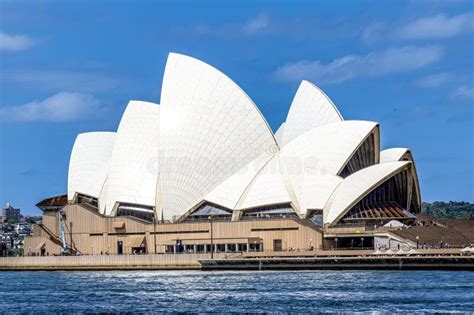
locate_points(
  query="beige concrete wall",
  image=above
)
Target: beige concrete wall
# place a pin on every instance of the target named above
(34, 244)
(92, 233)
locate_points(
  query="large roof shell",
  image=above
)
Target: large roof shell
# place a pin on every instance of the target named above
(357, 186)
(267, 188)
(134, 163)
(304, 172)
(402, 154)
(328, 148)
(229, 192)
(310, 108)
(395, 154)
(313, 160)
(209, 130)
(89, 163)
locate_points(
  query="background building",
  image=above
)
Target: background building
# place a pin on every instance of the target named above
(10, 213)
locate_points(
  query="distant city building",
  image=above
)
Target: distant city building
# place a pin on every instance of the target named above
(10, 213)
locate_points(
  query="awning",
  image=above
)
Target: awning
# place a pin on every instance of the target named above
(136, 240)
(118, 225)
(40, 245)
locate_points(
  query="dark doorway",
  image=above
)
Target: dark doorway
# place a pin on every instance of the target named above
(277, 246)
(119, 247)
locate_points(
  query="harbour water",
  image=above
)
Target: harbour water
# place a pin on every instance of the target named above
(237, 291)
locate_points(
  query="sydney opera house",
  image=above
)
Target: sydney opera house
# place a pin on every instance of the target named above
(203, 172)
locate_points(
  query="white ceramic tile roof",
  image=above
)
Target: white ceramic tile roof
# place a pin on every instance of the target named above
(327, 148)
(134, 163)
(358, 185)
(228, 193)
(310, 108)
(89, 163)
(314, 190)
(268, 188)
(213, 144)
(392, 154)
(209, 130)
(313, 160)
(279, 133)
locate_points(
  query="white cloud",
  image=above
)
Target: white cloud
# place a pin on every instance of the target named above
(15, 42)
(463, 92)
(372, 32)
(377, 63)
(256, 25)
(433, 81)
(438, 26)
(63, 106)
(55, 80)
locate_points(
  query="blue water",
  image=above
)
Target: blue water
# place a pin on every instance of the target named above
(265, 291)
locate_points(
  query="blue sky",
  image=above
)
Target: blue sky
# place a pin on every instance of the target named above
(71, 67)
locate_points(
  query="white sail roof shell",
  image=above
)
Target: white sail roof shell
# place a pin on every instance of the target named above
(209, 130)
(313, 160)
(358, 185)
(314, 190)
(393, 154)
(307, 167)
(134, 163)
(402, 154)
(326, 149)
(89, 163)
(279, 133)
(229, 192)
(268, 188)
(310, 108)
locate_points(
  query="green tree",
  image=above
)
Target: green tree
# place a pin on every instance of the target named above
(449, 210)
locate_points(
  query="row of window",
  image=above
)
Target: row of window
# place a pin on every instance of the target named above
(216, 248)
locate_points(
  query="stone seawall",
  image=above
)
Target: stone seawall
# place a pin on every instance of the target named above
(345, 263)
(424, 259)
(103, 262)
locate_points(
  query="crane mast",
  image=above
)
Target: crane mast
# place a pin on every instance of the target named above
(61, 226)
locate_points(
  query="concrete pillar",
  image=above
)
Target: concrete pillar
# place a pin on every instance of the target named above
(226, 248)
(205, 248)
(248, 247)
(237, 247)
(195, 248)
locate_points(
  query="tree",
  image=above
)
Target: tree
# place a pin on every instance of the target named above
(449, 210)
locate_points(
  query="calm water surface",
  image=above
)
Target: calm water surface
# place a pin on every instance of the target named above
(265, 291)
